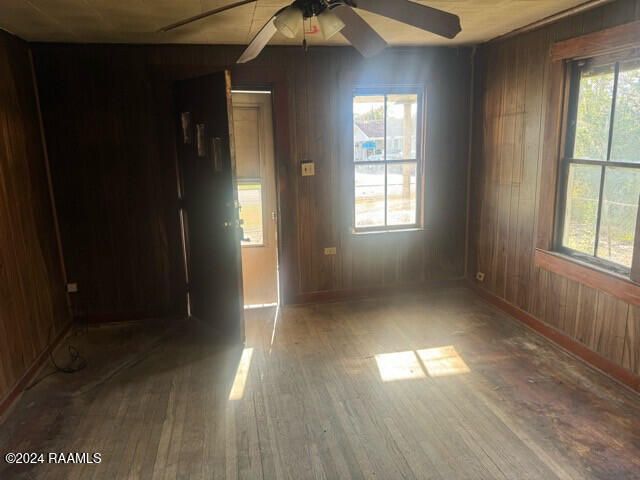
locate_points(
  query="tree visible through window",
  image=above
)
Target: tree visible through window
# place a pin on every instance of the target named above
(386, 159)
(602, 160)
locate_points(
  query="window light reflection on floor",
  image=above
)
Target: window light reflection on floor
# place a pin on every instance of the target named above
(239, 383)
(442, 361)
(434, 362)
(399, 366)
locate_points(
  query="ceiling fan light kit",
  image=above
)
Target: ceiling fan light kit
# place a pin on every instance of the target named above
(329, 23)
(288, 21)
(339, 16)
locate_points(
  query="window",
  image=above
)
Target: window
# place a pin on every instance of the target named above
(587, 228)
(250, 198)
(601, 162)
(386, 159)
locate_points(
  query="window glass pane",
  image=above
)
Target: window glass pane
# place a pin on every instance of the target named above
(581, 211)
(250, 199)
(594, 113)
(369, 195)
(401, 193)
(619, 212)
(368, 128)
(402, 112)
(626, 124)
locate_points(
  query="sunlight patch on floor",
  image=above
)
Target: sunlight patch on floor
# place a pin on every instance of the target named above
(260, 305)
(399, 366)
(239, 383)
(275, 324)
(442, 361)
(432, 362)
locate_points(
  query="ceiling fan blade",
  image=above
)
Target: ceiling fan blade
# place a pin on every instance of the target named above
(431, 19)
(259, 41)
(364, 38)
(205, 14)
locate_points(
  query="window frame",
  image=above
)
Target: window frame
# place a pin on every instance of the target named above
(552, 145)
(385, 91)
(567, 158)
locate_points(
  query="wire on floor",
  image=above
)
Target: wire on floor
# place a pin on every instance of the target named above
(76, 361)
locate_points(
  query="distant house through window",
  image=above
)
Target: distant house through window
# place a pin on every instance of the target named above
(386, 158)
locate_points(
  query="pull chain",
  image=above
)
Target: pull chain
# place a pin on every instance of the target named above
(304, 36)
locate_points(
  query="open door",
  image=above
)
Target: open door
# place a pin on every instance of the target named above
(209, 202)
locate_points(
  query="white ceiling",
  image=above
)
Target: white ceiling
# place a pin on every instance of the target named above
(136, 21)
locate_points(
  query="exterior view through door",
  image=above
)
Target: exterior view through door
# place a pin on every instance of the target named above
(253, 128)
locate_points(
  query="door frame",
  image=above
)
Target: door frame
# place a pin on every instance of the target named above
(275, 81)
(274, 177)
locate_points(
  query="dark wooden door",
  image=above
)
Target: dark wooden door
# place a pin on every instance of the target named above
(211, 229)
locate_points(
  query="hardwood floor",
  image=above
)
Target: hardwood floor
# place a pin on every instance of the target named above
(440, 386)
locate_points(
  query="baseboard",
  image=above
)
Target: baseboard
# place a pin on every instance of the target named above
(575, 348)
(327, 296)
(125, 316)
(31, 372)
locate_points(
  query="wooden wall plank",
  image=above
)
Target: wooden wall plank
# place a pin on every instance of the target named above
(610, 327)
(33, 306)
(604, 324)
(107, 111)
(534, 77)
(631, 355)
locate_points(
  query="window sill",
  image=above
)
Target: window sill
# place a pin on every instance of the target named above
(378, 232)
(589, 275)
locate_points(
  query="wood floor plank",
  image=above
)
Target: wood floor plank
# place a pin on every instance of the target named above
(436, 386)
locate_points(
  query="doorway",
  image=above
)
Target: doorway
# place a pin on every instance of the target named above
(253, 131)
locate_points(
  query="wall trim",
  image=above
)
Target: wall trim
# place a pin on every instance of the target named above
(589, 275)
(601, 42)
(52, 197)
(18, 388)
(472, 95)
(109, 317)
(560, 339)
(569, 12)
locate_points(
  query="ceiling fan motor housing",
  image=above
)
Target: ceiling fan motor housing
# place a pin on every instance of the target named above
(312, 8)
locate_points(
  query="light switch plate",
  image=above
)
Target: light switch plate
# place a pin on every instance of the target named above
(72, 287)
(308, 169)
(330, 251)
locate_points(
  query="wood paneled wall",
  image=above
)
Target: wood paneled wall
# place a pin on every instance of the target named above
(107, 115)
(509, 121)
(33, 309)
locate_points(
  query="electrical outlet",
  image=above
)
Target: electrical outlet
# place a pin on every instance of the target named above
(72, 287)
(308, 169)
(330, 251)
(480, 277)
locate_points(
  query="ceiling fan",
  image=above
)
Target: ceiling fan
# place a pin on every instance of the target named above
(338, 16)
